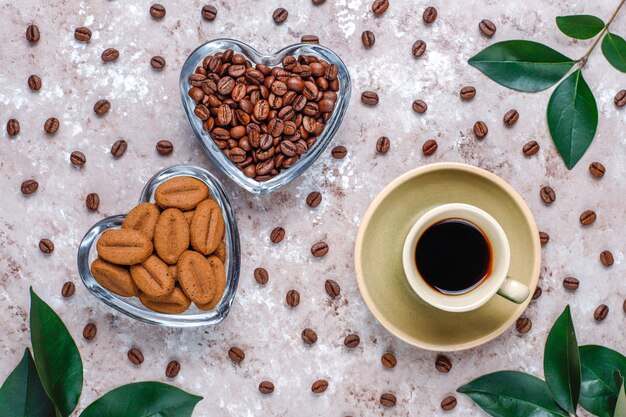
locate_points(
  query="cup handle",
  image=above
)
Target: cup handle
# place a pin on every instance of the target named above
(514, 291)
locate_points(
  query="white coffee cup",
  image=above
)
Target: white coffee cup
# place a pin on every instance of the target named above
(498, 282)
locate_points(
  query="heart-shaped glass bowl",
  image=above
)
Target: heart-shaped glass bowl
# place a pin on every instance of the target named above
(131, 306)
(217, 156)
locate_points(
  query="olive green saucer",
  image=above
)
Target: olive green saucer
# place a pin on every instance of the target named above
(378, 255)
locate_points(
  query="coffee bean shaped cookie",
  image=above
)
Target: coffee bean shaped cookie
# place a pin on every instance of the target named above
(189, 216)
(114, 278)
(183, 193)
(171, 235)
(220, 252)
(207, 227)
(195, 276)
(142, 218)
(152, 277)
(124, 246)
(173, 303)
(219, 274)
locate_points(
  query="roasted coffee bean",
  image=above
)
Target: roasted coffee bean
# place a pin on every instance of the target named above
(597, 169)
(13, 127)
(429, 147)
(351, 341)
(266, 387)
(89, 332)
(388, 360)
(571, 283)
(292, 298)
(448, 403)
(157, 62)
(369, 98)
(46, 246)
(314, 199)
(164, 147)
(487, 27)
(443, 364)
(310, 39)
(209, 12)
(34, 82)
(510, 118)
(530, 148)
(51, 125)
(82, 34)
(368, 39)
(537, 293)
(606, 258)
(277, 235)
(523, 325)
(318, 2)
(29, 186)
(430, 15)
(382, 145)
(624, 305)
(77, 158)
(68, 289)
(419, 106)
(110, 55)
(587, 217)
(332, 288)
(380, 6)
(319, 386)
(172, 369)
(544, 238)
(601, 312)
(419, 47)
(620, 98)
(480, 129)
(280, 15)
(236, 355)
(32, 34)
(101, 107)
(118, 148)
(309, 337)
(135, 356)
(388, 399)
(319, 249)
(547, 194)
(157, 11)
(261, 276)
(467, 92)
(92, 201)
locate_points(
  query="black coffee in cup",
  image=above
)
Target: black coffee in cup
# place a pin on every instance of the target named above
(453, 256)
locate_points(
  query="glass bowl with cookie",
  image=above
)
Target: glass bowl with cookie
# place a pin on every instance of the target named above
(174, 259)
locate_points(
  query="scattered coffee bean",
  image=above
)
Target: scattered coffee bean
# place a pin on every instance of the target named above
(77, 158)
(209, 12)
(157, 62)
(388, 360)
(419, 47)
(261, 276)
(601, 312)
(480, 129)
(101, 107)
(13, 127)
(310, 39)
(368, 39)
(318, 2)
(388, 399)
(68, 289)
(157, 11)
(487, 27)
(92, 201)
(544, 238)
(82, 34)
(624, 305)
(89, 332)
(511, 117)
(314, 199)
(319, 249)
(164, 147)
(606, 257)
(468, 92)
(32, 34)
(587, 217)
(448, 403)
(351, 341)
(443, 364)
(620, 98)
(537, 293)
(429, 147)
(236, 355)
(530, 148)
(319, 386)
(419, 106)
(380, 6)
(277, 235)
(339, 152)
(29, 187)
(280, 15)
(523, 325)
(292, 298)
(382, 145)
(309, 336)
(369, 98)
(118, 148)
(266, 387)
(172, 369)
(571, 283)
(332, 288)
(110, 55)
(46, 246)
(34, 82)
(430, 15)
(135, 356)
(51, 125)
(547, 194)
(597, 169)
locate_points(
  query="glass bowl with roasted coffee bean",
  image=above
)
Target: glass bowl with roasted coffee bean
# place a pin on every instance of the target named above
(174, 259)
(264, 119)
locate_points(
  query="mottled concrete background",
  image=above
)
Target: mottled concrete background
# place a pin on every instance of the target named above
(146, 108)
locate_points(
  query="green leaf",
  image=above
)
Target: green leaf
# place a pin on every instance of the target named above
(572, 118)
(620, 407)
(522, 65)
(614, 50)
(143, 399)
(599, 390)
(561, 362)
(22, 395)
(512, 394)
(56, 356)
(582, 26)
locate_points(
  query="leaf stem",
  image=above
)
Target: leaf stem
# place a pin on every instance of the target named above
(584, 59)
